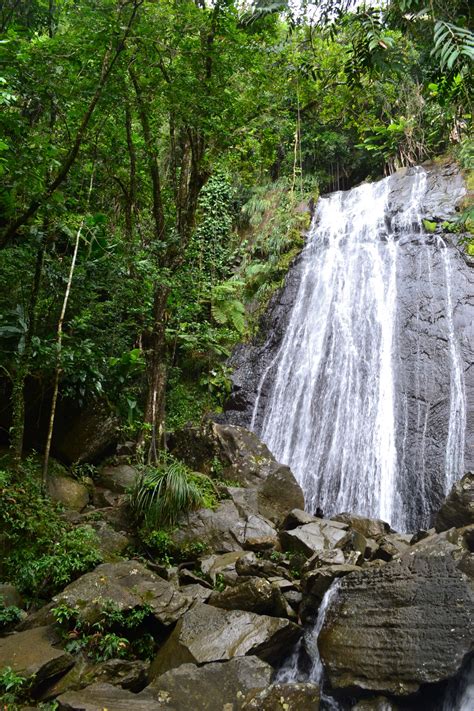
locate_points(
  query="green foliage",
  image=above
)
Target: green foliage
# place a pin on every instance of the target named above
(115, 634)
(165, 492)
(13, 687)
(9, 616)
(452, 44)
(42, 553)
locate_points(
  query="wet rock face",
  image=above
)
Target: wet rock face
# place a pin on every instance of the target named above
(395, 628)
(458, 509)
(423, 368)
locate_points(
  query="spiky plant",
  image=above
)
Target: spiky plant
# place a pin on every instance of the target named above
(163, 493)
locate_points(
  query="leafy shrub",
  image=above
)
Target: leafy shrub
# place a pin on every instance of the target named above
(164, 492)
(115, 635)
(9, 615)
(13, 687)
(43, 553)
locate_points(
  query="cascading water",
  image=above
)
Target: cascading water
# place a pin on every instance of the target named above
(292, 671)
(337, 409)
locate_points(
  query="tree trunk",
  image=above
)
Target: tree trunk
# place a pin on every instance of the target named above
(18, 394)
(153, 435)
(59, 339)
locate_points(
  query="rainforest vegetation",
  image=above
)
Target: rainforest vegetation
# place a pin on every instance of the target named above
(157, 159)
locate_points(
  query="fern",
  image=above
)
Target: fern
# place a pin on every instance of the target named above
(226, 309)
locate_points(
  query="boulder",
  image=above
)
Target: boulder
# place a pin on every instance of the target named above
(112, 544)
(225, 529)
(284, 697)
(249, 461)
(68, 492)
(458, 508)
(121, 672)
(394, 628)
(10, 596)
(223, 565)
(119, 479)
(99, 697)
(33, 653)
(220, 531)
(297, 517)
(127, 585)
(368, 527)
(85, 434)
(278, 494)
(253, 595)
(118, 672)
(314, 537)
(212, 687)
(259, 534)
(250, 565)
(317, 583)
(207, 634)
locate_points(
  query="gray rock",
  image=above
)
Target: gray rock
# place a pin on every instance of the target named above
(287, 697)
(119, 479)
(395, 628)
(224, 565)
(250, 565)
(68, 492)
(207, 634)
(297, 517)
(196, 592)
(86, 434)
(9, 596)
(212, 687)
(127, 585)
(253, 595)
(99, 697)
(221, 531)
(458, 508)
(278, 494)
(317, 583)
(368, 527)
(314, 537)
(112, 544)
(259, 534)
(249, 460)
(32, 653)
(130, 675)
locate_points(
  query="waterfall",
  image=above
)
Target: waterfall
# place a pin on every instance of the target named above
(292, 671)
(338, 405)
(460, 696)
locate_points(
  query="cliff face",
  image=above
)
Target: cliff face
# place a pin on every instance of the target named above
(432, 350)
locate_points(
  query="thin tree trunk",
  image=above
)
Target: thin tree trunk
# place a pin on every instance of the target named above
(153, 436)
(59, 339)
(108, 64)
(18, 394)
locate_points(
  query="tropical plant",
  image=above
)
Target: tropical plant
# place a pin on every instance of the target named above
(165, 492)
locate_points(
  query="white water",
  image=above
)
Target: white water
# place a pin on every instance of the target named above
(332, 410)
(291, 671)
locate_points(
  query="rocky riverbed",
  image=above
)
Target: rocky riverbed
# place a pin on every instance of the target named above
(396, 635)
